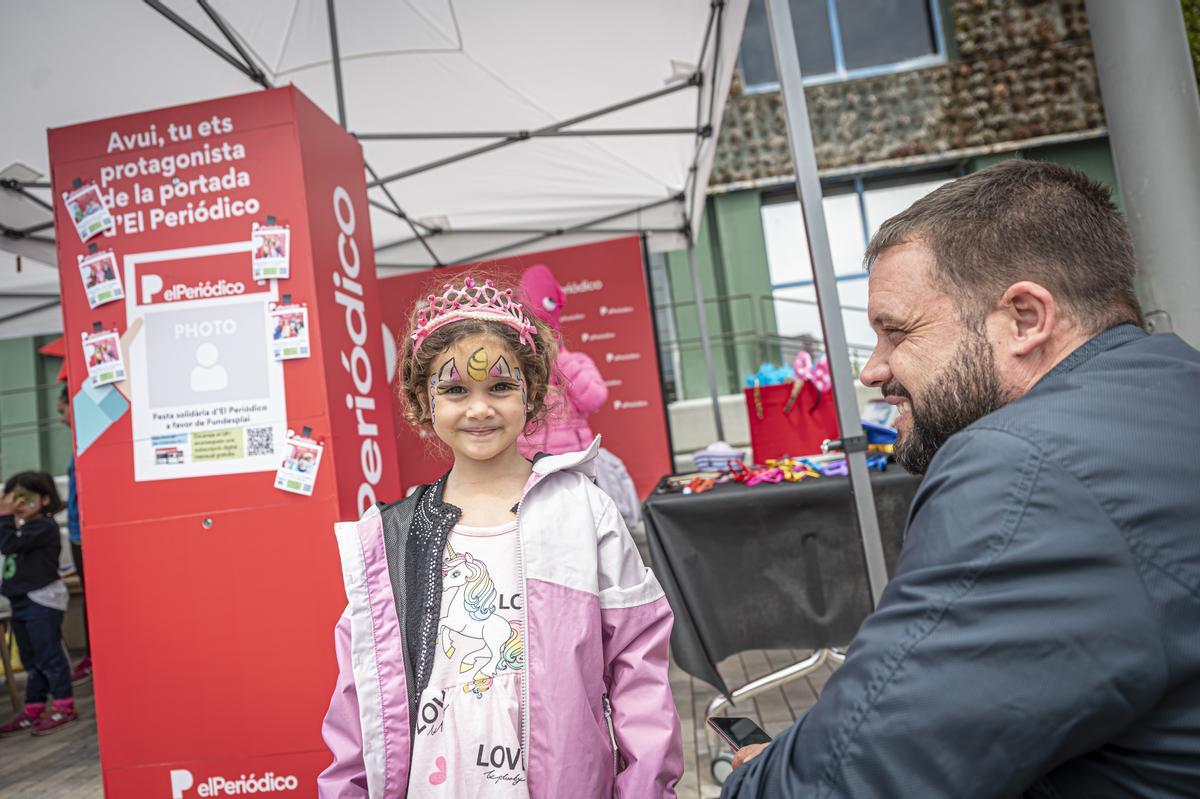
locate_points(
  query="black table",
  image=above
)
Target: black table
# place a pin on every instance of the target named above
(768, 567)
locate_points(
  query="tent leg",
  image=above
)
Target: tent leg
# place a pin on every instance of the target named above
(808, 186)
(702, 318)
(1145, 73)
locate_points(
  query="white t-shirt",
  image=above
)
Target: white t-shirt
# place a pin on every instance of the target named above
(468, 730)
(55, 595)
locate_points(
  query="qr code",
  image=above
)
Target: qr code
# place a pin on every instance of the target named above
(260, 441)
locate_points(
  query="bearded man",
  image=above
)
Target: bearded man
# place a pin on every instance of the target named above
(1039, 637)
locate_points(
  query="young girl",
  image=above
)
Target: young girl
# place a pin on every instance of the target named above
(30, 543)
(502, 638)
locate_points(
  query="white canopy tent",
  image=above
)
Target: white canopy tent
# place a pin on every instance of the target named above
(489, 128)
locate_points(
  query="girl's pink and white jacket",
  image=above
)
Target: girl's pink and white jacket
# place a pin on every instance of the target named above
(599, 721)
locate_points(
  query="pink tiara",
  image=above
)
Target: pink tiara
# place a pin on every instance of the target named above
(472, 301)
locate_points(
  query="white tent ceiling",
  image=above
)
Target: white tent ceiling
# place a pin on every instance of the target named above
(407, 66)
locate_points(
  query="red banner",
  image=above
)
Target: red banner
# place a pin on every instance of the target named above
(607, 317)
(219, 443)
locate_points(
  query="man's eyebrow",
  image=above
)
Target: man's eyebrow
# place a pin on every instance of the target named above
(884, 320)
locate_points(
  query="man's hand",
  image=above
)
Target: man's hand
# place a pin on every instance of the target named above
(7, 504)
(747, 753)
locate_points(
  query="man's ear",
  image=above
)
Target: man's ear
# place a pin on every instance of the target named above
(1030, 317)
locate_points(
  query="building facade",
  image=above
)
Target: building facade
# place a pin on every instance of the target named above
(903, 96)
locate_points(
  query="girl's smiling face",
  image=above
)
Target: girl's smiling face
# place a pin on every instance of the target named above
(476, 397)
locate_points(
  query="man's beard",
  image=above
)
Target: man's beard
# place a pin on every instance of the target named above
(965, 390)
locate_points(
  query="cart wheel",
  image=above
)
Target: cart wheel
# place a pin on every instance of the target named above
(722, 767)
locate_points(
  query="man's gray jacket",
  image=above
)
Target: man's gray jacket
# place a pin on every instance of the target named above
(1041, 635)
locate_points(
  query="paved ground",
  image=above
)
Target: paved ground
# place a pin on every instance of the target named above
(774, 711)
(66, 765)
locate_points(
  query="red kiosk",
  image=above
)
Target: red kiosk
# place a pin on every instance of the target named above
(248, 411)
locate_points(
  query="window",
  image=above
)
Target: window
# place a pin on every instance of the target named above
(840, 39)
(853, 212)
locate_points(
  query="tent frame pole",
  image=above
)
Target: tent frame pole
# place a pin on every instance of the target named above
(30, 310)
(620, 231)
(256, 73)
(695, 79)
(531, 134)
(705, 342)
(546, 233)
(570, 229)
(247, 70)
(337, 63)
(17, 187)
(13, 233)
(808, 187)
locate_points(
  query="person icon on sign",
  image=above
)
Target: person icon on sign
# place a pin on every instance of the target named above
(208, 375)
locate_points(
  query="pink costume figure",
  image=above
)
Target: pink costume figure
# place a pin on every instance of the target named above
(576, 391)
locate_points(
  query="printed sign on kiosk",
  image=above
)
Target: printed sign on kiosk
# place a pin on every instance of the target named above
(216, 404)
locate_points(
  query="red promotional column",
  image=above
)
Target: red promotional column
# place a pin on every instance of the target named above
(230, 404)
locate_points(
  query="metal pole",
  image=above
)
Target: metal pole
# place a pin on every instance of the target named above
(207, 42)
(337, 62)
(27, 311)
(694, 80)
(568, 229)
(227, 32)
(662, 383)
(525, 134)
(808, 186)
(705, 344)
(1145, 70)
(17, 187)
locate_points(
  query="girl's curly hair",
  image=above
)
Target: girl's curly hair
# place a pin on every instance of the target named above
(415, 371)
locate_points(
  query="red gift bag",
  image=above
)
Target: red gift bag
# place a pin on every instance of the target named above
(810, 420)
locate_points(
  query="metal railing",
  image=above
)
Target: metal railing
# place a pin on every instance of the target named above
(741, 349)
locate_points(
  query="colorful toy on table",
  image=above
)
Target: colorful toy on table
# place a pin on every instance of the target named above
(804, 369)
(769, 375)
(717, 457)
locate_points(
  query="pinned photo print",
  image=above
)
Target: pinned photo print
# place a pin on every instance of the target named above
(88, 211)
(298, 472)
(289, 331)
(102, 354)
(272, 251)
(101, 280)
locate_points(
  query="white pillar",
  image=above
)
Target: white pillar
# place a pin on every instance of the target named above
(1150, 102)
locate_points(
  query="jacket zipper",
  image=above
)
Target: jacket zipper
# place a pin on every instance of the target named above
(612, 734)
(525, 620)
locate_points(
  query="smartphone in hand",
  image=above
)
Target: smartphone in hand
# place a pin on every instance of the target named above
(738, 731)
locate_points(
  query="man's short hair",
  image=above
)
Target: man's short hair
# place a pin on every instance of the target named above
(1024, 220)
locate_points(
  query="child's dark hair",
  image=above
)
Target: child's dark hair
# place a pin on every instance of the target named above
(40, 484)
(414, 372)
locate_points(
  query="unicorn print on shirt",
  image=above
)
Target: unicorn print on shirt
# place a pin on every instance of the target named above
(469, 619)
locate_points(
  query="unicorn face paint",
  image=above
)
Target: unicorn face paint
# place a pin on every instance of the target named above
(477, 365)
(502, 369)
(479, 413)
(447, 373)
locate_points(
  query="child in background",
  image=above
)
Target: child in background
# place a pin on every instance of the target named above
(503, 637)
(30, 543)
